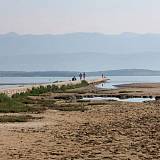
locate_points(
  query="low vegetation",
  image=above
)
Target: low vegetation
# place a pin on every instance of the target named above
(17, 118)
(50, 88)
(70, 87)
(128, 91)
(21, 102)
(11, 105)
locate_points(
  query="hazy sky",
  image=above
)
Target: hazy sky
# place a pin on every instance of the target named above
(61, 16)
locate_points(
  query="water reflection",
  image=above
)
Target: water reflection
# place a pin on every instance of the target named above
(117, 99)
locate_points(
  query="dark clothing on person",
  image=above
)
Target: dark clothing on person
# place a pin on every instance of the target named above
(84, 76)
(74, 78)
(80, 76)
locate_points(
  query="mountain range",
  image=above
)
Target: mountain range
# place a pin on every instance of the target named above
(79, 51)
(122, 72)
(12, 43)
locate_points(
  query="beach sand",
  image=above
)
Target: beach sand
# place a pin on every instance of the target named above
(106, 130)
(110, 131)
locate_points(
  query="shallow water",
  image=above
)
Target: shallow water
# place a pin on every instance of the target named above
(5, 82)
(117, 99)
(117, 80)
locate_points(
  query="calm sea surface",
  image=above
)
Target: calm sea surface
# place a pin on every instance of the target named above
(6, 82)
(116, 80)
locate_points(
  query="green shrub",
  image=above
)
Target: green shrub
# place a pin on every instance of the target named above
(4, 98)
(35, 91)
(67, 87)
(15, 105)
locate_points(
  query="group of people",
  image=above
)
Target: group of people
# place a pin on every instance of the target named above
(82, 76)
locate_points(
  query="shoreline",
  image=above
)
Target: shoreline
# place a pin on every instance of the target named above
(96, 128)
(139, 85)
(21, 89)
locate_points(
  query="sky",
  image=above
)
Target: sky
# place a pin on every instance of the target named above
(66, 16)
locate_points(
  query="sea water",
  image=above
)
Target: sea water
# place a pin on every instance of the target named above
(117, 80)
(6, 82)
(118, 99)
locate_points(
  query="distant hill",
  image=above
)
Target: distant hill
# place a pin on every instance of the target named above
(127, 72)
(122, 72)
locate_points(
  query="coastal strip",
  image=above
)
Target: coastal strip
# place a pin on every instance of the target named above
(139, 85)
(23, 89)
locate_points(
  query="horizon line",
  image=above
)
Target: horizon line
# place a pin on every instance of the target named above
(78, 71)
(70, 33)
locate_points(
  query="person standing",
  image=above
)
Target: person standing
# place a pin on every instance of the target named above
(80, 76)
(84, 76)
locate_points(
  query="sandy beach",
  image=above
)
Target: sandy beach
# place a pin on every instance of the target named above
(110, 131)
(104, 130)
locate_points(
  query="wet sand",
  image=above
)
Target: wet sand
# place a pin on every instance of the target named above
(139, 85)
(135, 89)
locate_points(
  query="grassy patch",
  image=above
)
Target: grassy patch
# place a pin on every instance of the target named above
(22, 103)
(11, 105)
(71, 87)
(139, 91)
(36, 91)
(4, 98)
(125, 91)
(16, 107)
(20, 118)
